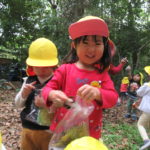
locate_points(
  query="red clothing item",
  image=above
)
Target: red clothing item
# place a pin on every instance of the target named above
(69, 79)
(124, 87)
(115, 69)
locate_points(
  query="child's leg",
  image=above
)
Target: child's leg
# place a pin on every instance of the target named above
(129, 106)
(134, 111)
(35, 139)
(26, 140)
(142, 124)
(119, 101)
(124, 97)
(44, 139)
(121, 97)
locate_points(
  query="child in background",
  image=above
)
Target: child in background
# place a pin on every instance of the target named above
(86, 65)
(123, 89)
(41, 63)
(136, 77)
(131, 98)
(135, 81)
(144, 120)
(86, 143)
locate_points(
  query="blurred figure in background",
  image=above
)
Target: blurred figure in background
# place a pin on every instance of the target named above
(144, 120)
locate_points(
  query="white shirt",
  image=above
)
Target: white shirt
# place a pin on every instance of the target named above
(144, 92)
(3, 147)
(19, 100)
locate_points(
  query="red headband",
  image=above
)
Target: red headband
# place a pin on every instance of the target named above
(88, 27)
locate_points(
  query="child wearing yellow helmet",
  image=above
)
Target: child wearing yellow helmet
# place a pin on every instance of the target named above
(144, 120)
(123, 90)
(135, 81)
(84, 73)
(41, 62)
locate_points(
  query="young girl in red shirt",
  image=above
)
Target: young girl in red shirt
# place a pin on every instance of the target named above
(84, 73)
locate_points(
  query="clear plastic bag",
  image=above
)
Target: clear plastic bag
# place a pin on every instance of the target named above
(40, 116)
(74, 124)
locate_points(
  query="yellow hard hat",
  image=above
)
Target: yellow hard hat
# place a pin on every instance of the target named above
(42, 52)
(125, 80)
(86, 143)
(147, 69)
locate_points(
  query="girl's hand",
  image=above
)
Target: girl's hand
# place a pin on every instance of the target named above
(27, 89)
(124, 60)
(88, 92)
(39, 101)
(59, 98)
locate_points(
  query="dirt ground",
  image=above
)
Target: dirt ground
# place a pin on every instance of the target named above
(10, 125)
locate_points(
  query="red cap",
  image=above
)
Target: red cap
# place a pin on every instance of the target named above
(89, 25)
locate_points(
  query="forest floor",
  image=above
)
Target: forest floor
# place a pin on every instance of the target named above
(10, 125)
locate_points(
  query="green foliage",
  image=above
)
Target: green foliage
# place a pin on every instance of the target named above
(121, 136)
(22, 21)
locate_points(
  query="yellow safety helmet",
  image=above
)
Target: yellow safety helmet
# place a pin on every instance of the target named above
(86, 143)
(42, 52)
(147, 69)
(125, 80)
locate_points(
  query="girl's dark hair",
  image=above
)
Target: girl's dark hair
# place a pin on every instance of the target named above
(101, 64)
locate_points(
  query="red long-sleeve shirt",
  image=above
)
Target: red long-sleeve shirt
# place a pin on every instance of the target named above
(69, 78)
(115, 69)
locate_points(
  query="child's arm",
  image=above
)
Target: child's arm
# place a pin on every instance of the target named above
(128, 69)
(116, 69)
(109, 95)
(59, 98)
(19, 100)
(22, 95)
(52, 92)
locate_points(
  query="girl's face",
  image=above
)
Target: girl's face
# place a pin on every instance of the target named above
(43, 72)
(90, 50)
(136, 77)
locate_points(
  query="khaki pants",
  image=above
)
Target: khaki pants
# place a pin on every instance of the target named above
(144, 124)
(35, 139)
